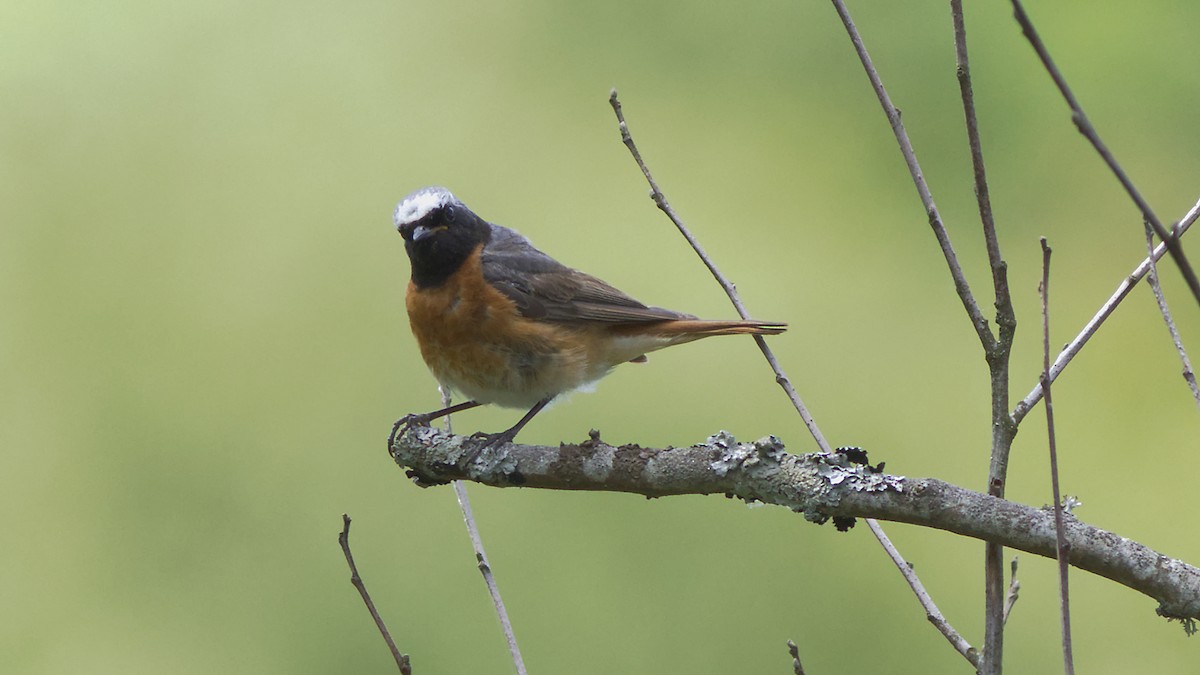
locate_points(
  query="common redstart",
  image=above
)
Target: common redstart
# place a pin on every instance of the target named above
(501, 322)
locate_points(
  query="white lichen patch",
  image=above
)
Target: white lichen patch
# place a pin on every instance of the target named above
(836, 469)
(598, 464)
(745, 456)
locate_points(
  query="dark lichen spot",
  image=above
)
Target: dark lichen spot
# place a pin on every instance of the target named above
(855, 454)
(424, 480)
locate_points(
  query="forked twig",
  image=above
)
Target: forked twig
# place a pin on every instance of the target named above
(344, 540)
(1068, 353)
(931, 609)
(1004, 309)
(914, 168)
(1089, 131)
(998, 357)
(995, 348)
(780, 377)
(1061, 547)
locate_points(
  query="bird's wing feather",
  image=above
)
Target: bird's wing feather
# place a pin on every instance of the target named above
(545, 289)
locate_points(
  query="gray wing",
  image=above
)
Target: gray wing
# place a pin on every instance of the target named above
(545, 289)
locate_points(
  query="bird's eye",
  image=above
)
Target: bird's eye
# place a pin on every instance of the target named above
(449, 212)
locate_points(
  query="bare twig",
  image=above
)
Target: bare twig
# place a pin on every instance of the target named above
(932, 613)
(1004, 308)
(780, 377)
(1189, 375)
(996, 349)
(797, 668)
(1061, 547)
(1014, 590)
(660, 200)
(1089, 131)
(464, 504)
(1068, 353)
(817, 485)
(1003, 426)
(914, 168)
(344, 539)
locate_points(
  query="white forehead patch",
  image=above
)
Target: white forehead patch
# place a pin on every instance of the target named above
(420, 203)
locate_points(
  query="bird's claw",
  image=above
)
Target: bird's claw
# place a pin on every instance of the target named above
(485, 441)
(493, 440)
(404, 424)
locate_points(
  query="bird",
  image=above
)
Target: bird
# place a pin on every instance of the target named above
(503, 323)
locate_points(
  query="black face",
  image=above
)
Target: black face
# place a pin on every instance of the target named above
(439, 242)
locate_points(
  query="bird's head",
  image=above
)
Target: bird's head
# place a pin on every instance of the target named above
(439, 232)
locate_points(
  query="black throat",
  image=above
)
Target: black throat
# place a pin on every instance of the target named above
(438, 256)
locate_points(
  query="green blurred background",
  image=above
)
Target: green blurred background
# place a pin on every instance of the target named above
(203, 343)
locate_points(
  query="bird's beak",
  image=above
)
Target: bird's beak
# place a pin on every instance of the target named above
(421, 231)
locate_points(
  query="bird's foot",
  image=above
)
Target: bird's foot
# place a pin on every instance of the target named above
(405, 423)
(482, 441)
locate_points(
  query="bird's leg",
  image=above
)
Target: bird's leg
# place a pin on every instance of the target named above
(425, 418)
(500, 438)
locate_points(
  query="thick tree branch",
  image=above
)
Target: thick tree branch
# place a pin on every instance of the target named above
(818, 485)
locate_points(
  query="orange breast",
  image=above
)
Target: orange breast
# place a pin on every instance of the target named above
(476, 342)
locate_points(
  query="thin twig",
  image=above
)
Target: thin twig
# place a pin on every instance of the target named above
(1189, 375)
(1003, 427)
(660, 200)
(1014, 590)
(995, 351)
(344, 539)
(914, 168)
(464, 504)
(1060, 536)
(1004, 309)
(931, 610)
(1068, 353)
(1089, 131)
(797, 668)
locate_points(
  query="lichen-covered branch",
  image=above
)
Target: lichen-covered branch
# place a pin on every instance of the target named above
(819, 485)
